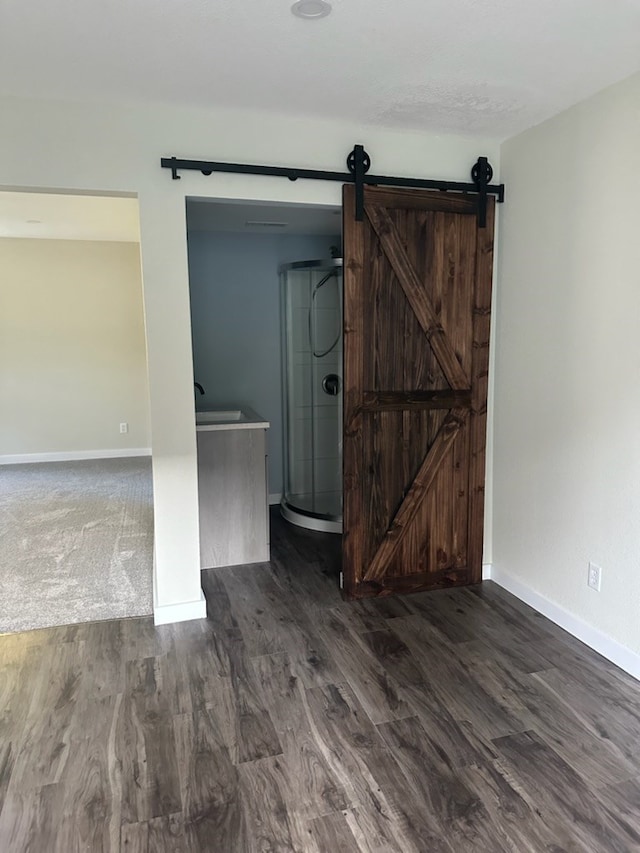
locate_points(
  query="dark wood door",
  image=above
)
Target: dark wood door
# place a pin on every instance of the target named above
(417, 303)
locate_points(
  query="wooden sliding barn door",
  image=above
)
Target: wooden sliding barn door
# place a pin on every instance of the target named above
(417, 301)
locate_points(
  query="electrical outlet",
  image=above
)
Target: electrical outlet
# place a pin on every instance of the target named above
(124, 428)
(595, 577)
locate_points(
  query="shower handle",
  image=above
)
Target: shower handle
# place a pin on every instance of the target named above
(331, 384)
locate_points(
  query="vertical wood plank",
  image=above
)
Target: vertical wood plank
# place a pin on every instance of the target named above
(353, 373)
(144, 745)
(269, 825)
(209, 784)
(45, 740)
(479, 391)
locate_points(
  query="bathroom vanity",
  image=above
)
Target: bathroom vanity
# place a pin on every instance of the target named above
(232, 487)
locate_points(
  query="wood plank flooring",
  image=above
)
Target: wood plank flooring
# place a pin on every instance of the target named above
(290, 720)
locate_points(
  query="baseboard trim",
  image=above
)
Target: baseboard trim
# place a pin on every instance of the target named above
(486, 571)
(73, 455)
(183, 612)
(600, 642)
(275, 499)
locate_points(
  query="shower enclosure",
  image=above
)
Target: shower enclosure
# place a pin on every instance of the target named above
(311, 319)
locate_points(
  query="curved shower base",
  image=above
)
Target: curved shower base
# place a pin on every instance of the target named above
(312, 521)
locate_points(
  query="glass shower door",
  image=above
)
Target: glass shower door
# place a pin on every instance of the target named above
(312, 379)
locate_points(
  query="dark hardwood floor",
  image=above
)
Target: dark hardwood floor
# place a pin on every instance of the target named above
(290, 720)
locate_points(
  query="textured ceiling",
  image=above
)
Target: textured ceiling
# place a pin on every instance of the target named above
(57, 216)
(490, 67)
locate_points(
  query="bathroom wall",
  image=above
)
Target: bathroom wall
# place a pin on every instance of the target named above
(73, 363)
(235, 318)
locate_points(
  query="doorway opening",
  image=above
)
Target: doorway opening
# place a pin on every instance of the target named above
(266, 315)
(77, 538)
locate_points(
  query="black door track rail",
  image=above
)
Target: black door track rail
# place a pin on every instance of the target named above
(358, 164)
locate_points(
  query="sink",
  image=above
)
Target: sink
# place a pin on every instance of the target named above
(229, 418)
(219, 417)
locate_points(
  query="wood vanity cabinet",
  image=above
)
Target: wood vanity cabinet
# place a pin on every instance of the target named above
(234, 506)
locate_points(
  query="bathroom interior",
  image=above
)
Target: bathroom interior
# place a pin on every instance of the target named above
(266, 312)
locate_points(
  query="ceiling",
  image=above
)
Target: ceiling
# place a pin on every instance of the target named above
(204, 215)
(481, 67)
(56, 216)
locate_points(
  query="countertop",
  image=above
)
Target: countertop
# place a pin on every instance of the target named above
(229, 417)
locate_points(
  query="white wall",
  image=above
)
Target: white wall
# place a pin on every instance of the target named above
(117, 149)
(73, 362)
(567, 404)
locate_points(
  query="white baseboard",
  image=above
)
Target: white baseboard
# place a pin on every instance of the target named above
(73, 455)
(594, 638)
(182, 612)
(486, 571)
(274, 499)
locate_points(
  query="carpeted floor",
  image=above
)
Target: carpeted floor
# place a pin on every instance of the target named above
(76, 542)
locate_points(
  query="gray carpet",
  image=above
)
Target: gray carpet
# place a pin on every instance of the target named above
(76, 542)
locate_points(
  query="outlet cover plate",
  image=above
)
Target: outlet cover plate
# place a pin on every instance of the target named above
(594, 579)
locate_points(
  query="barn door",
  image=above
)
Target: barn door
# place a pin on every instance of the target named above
(417, 300)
